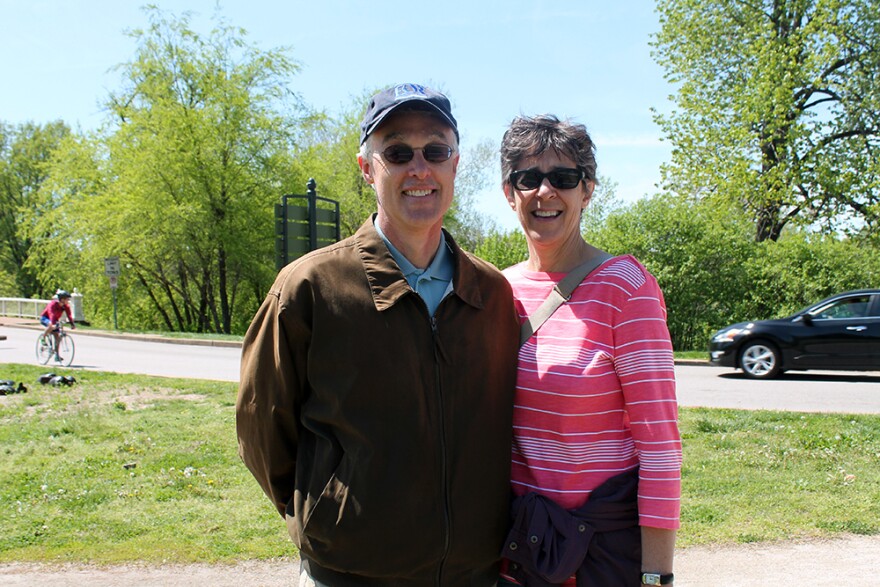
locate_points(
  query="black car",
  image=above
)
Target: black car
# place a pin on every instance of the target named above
(841, 332)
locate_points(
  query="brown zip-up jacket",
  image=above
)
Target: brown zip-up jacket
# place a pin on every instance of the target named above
(382, 434)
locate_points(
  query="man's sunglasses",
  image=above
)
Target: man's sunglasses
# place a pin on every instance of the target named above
(433, 153)
(561, 178)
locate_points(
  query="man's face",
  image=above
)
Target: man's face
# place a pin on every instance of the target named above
(414, 195)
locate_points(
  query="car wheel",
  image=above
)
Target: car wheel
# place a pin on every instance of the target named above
(760, 360)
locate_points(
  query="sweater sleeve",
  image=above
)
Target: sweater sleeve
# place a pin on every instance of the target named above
(645, 366)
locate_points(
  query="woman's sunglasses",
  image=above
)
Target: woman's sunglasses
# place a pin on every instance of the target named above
(433, 153)
(561, 178)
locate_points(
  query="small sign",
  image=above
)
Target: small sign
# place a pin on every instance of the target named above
(111, 266)
(114, 281)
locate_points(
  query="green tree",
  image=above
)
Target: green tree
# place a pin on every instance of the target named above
(699, 254)
(777, 108)
(713, 273)
(603, 204)
(468, 225)
(181, 181)
(326, 150)
(804, 267)
(503, 249)
(25, 151)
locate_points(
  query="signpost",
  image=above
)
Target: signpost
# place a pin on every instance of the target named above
(111, 270)
(305, 227)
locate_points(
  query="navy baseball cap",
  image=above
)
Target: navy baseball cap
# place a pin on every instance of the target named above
(413, 97)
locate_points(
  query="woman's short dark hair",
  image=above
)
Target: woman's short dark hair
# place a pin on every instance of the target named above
(530, 136)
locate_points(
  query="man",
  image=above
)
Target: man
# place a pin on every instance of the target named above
(377, 378)
(51, 316)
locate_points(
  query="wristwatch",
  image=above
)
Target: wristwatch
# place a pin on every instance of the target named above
(657, 579)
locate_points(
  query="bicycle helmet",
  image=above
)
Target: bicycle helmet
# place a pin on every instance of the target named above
(62, 294)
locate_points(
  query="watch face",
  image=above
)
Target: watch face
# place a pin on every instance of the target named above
(657, 579)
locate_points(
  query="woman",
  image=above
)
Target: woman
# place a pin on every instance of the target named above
(596, 443)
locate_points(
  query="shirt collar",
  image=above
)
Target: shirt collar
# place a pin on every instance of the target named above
(386, 280)
(441, 267)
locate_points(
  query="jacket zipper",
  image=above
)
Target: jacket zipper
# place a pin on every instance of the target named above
(443, 468)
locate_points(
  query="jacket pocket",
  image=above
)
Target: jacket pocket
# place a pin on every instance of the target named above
(365, 523)
(330, 508)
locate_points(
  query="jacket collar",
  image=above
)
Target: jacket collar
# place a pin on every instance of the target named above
(388, 284)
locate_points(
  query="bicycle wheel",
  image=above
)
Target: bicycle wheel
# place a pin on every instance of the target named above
(44, 349)
(66, 349)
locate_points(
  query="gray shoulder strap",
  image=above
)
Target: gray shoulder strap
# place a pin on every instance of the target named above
(559, 295)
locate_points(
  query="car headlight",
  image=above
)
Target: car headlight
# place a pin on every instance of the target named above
(729, 334)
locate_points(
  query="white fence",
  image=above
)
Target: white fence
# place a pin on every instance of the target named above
(32, 308)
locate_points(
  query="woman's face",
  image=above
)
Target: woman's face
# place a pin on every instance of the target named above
(550, 216)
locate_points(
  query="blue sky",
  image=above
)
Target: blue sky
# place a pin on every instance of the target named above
(587, 60)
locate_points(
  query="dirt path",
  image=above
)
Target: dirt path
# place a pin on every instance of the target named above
(842, 561)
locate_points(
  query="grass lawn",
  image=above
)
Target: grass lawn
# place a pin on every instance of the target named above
(134, 468)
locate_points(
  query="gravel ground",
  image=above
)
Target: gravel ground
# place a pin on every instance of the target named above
(841, 561)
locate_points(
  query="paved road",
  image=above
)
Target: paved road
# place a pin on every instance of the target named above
(138, 355)
(698, 385)
(805, 391)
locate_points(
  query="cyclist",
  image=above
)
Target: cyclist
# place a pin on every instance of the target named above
(59, 305)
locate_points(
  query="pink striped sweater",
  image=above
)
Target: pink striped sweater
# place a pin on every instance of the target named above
(596, 391)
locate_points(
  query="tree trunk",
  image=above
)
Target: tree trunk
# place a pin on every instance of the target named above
(226, 319)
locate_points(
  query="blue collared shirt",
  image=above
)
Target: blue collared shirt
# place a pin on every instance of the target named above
(432, 283)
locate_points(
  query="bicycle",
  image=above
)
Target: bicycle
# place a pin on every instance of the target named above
(46, 347)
